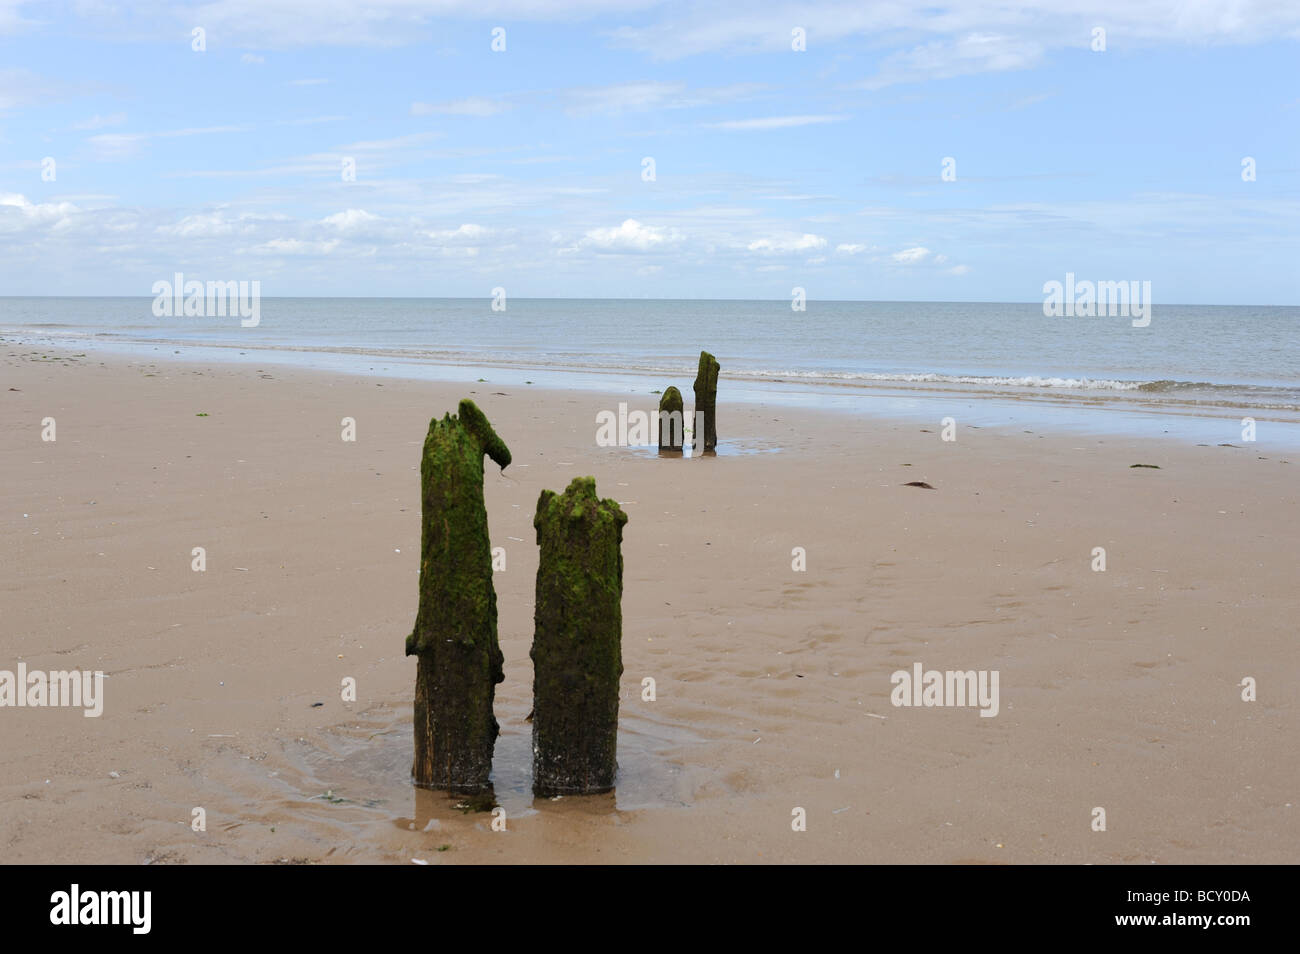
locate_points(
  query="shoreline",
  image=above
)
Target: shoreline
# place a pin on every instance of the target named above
(1087, 413)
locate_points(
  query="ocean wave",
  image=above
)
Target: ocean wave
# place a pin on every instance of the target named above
(1165, 386)
(1045, 386)
(929, 377)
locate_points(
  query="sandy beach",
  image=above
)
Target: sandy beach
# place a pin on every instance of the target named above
(1118, 689)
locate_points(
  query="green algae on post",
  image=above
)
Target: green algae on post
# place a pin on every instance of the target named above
(577, 641)
(455, 634)
(706, 400)
(671, 422)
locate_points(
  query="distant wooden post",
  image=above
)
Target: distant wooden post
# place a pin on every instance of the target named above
(672, 423)
(706, 400)
(455, 634)
(577, 643)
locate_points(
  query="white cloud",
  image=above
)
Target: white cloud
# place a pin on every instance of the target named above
(1033, 26)
(294, 247)
(787, 243)
(640, 96)
(466, 234)
(630, 236)
(215, 224)
(377, 23)
(252, 58)
(423, 230)
(351, 220)
(25, 212)
(666, 30)
(473, 106)
(611, 100)
(775, 122)
(911, 256)
(944, 59)
(200, 225)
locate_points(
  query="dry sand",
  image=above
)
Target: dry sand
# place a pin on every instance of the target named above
(1118, 689)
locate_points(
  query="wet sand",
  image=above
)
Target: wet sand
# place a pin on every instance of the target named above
(1118, 689)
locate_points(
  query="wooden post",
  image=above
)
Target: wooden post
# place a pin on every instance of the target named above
(577, 643)
(455, 634)
(672, 424)
(706, 400)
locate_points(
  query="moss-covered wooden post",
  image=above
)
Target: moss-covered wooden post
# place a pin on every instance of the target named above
(455, 635)
(577, 643)
(672, 425)
(706, 400)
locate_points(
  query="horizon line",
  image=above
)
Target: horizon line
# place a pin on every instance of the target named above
(784, 300)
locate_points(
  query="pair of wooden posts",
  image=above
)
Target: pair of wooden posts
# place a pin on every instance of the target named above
(577, 642)
(706, 407)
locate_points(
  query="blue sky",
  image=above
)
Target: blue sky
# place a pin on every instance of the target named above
(774, 168)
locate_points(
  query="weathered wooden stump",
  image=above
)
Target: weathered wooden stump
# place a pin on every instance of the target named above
(672, 423)
(706, 401)
(455, 634)
(577, 642)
